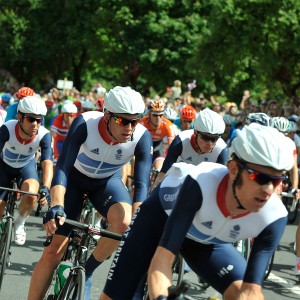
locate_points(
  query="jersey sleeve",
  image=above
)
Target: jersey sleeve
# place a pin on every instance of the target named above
(142, 167)
(189, 201)
(76, 136)
(4, 136)
(174, 152)
(263, 247)
(46, 148)
(223, 156)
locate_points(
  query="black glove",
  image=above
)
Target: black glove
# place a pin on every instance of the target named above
(53, 213)
(45, 192)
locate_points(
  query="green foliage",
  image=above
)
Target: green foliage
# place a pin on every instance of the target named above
(226, 45)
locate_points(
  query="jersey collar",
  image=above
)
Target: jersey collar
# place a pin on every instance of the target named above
(221, 199)
(104, 134)
(22, 141)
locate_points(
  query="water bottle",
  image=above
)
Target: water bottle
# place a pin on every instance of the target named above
(62, 273)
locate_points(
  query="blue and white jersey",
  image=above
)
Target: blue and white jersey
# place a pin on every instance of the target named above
(17, 152)
(86, 149)
(210, 224)
(96, 158)
(184, 149)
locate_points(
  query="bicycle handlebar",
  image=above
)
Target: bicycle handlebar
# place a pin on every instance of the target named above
(18, 191)
(288, 195)
(88, 229)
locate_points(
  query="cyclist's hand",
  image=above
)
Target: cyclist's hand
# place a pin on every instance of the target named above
(296, 193)
(45, 195)
(53, 215)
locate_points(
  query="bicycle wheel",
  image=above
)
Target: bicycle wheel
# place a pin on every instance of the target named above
(74, 286)
(5, 243)
(269, 267)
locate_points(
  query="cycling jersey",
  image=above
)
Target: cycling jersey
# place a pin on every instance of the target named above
(96, 164)
(17, 152)
(184, 149)
(190, 215)
(162, 135)
(59, 127)
(3, 114)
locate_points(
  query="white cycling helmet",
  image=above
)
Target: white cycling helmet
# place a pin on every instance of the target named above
(124, 100)
(209, 121)
(171, 114)
(32, 105)
(69, 108)
(281, 123)
(260, 118)
(263, 145)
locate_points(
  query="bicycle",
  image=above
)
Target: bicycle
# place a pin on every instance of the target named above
(291, 205)
(76, 253)
(7, 226)
(177, 274)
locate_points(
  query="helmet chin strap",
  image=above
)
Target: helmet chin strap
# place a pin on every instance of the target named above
(30, 135)
(197, 143)
(240, 206)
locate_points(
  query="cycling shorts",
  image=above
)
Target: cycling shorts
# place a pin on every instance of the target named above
(102, 193)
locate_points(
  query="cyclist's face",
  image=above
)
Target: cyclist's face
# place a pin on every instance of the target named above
(204, 144)
(156, 118)
(122, 126)
(69, 118)
(254, 188)
(186, 124)
(30, 123)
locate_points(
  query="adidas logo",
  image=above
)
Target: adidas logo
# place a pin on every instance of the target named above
(189, 158)
(96, 151)
(14, 148)
(208, 224)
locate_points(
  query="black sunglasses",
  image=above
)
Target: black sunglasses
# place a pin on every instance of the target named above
(262, 178)
(208, 138)
(124, 121)
(32, 119)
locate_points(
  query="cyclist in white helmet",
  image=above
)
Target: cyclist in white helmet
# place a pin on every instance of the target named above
(19, 141)
(61, 125)
(96, 148)
(203, 143)
(171, 114)
(200, 211)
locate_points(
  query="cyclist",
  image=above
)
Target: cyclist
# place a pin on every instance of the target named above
(61, 125)
(19, 141)
(203, 143)
(12, 110)
(96, 148)
(187, 116)
(201, 210)
(161, 130)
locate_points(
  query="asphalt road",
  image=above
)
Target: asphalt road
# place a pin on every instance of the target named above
(282, 284)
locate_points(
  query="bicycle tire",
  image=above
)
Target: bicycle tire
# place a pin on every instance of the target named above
(74, 284)
(270, 266)
(5, 243)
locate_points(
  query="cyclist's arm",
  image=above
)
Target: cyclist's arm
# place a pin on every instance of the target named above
(142, 167)
(176, 228)
(75, 138)
(223, 156)
(4, 136)
(174, 152)
(263, 247)
(46, 159)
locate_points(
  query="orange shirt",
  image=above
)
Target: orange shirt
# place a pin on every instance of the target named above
(164, 130)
